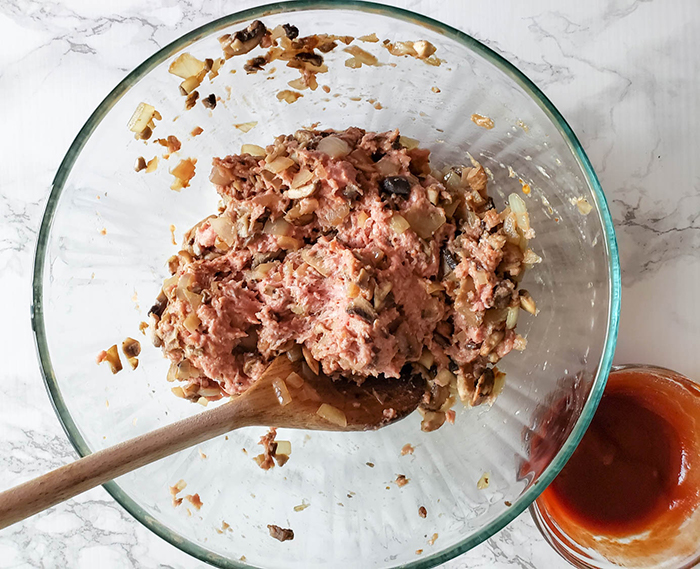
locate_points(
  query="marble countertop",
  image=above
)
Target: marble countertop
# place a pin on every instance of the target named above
(625, 74)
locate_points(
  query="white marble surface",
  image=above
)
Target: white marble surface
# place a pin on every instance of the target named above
(625, 73)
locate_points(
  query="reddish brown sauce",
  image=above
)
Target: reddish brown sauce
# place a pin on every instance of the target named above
(637, 469)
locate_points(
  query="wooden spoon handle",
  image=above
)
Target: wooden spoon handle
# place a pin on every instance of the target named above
(68, 481)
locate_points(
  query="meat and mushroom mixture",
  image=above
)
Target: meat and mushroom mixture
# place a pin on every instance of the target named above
(349, 248)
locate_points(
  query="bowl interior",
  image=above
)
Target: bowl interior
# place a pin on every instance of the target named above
(101, 262)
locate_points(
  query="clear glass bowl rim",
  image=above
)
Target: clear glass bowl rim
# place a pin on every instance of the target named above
(37, 317)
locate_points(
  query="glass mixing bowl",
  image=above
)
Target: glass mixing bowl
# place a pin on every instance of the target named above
(101, 258)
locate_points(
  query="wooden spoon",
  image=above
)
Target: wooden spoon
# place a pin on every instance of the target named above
(319, 404)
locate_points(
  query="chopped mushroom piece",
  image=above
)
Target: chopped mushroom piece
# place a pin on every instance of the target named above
(401, 480)
(280, 534)
(131, 349)
(244, 40)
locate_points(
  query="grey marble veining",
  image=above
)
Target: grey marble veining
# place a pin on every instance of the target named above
(625, 74)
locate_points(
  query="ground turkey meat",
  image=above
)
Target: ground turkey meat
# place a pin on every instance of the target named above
(348, 244)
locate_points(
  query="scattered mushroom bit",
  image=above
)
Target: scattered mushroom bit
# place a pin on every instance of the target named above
(280, 534)
(407, 449)
(433, 539)
(401, 480)
(422, 512)
(131, 349)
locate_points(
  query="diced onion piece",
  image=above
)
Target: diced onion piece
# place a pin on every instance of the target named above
(209, 391)
(499, 381)
(512, 318)
(288, 96)
(433, 288)
(371, 38)
(223, 227)
(527, 303)
(424, 49)
(519, 343)
(152, 165)
(388, 167)
(178, 392)
(362, 218)
(453, 181)
(220, 176)
(483, 482)
(288, 243)
(408, 143)
(190, 84)
(531, 258)
(283, 447)
(294, 354)
(143, 114)
(302, 178)
(301, 192)
(253, 150)
(381, 291)
(316, 262)
(333, 146)
(519, 208)
(337, 214)
(186, 65)
(398, 223)
(480, 278)
(246, 127)
(281, 392)
(401, 48)
(279, 164)
(427, 359)
(192, 322)
(361, 56)
(445, 377)
(298, 84)
(183, 173)
(294, 380)
(352, 290)
(332, 415)
(310, 360)
(425, 223)
(260, 272)
(279, 226)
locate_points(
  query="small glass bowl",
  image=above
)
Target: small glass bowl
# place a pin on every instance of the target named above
(682, 553)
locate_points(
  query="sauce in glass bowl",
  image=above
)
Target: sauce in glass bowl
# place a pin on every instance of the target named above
(630, 494)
